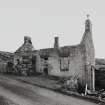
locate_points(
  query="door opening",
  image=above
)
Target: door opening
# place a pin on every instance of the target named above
(34, 64)
(46, 71)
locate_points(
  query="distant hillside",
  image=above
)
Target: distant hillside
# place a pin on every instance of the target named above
(100, 74)
(100, 61)
(6, 56)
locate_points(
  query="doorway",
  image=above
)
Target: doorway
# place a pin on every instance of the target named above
(34, 64)
(46, 71)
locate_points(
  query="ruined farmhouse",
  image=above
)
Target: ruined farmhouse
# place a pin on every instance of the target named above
(77, 61)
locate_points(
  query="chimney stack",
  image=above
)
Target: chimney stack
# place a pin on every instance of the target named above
(27, 39)
(56, 43)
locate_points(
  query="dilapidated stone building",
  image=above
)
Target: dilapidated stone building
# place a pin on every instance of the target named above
(23, 57)
(77, 61)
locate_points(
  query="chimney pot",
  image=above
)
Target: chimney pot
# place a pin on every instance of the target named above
(56, 43)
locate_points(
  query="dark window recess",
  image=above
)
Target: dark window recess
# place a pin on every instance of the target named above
(18, 61)
(64, 69)
(60, 64)
(45, 71)
(64, 66)
(25, 57)
(46, 58)
(34, 63)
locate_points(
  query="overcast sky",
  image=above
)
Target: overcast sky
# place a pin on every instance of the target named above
(44, 19)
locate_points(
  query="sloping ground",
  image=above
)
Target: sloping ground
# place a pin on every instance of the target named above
(39, 81)
(27, 94)
(4, 101)
(52, 85)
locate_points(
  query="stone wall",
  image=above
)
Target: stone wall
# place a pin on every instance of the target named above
(77, 61)
(87, 42)
(23, 58)
(70, 64)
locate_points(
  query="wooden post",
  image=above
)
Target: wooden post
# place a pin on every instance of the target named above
(93, 78)
(86, 89)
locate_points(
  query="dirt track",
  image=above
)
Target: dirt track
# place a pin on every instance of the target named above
(25, 94)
